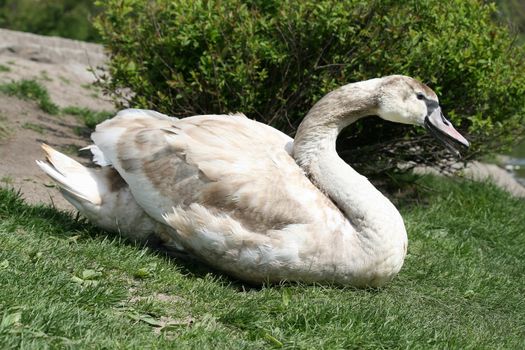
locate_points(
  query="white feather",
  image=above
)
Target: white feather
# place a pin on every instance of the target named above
(98, 156)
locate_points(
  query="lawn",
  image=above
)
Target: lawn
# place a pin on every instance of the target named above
(65, 284)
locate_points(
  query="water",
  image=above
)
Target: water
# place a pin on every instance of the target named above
(516, 162)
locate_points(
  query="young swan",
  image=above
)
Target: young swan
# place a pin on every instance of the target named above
(249, 200)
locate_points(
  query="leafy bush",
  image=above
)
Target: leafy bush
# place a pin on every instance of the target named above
(273, 59)
(66, 18)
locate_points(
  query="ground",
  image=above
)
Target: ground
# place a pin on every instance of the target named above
(62, 66)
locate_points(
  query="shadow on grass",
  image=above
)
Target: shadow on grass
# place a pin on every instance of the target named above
(63, 224)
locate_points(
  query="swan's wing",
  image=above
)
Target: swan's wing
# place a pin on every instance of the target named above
(229, 165)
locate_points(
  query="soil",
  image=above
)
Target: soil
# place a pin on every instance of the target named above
(65, 67)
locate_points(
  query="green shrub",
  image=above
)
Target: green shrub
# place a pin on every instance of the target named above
(66, 18)
(273, 60)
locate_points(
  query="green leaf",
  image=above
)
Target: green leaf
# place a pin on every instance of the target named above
(10, 320)
(91, 274)
(286, 296)
(142, 273)
(77, 280)
(274, 341)
(146, 318)
(145, 272)
(4, 264)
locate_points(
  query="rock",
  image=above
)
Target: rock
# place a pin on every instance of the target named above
(479, 171)
(67, 68)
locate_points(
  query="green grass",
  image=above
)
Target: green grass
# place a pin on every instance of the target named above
(64, 80)
(89, 117)
(66, 284)
(5, 131)
(45, 76)
(6, 180)
(31, 90)
(4, 68)
(35, 127)
(90, 86)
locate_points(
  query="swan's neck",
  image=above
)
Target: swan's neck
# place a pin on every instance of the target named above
(314, 150)
(371, 249)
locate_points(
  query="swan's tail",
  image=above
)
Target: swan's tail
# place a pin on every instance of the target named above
(75, 181)
(101, 195)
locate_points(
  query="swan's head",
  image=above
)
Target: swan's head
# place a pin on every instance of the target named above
(405, 100)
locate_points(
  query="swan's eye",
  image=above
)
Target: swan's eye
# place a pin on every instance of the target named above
(420, 96)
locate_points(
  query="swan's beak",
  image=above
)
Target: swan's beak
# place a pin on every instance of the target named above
(443, 131)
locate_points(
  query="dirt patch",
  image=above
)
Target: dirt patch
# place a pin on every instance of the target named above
(27, 128)
(165, 298)
(62, 66)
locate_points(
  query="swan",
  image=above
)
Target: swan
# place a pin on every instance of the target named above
(247, 199)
